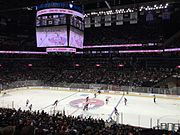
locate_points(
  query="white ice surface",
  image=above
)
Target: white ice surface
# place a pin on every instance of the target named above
(138, 112)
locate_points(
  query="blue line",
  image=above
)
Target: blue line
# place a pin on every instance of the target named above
(115, 107)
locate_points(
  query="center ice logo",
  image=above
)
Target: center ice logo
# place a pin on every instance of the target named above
(93, 103)
(57, 40)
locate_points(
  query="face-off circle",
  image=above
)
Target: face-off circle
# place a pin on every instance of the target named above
(93, 103)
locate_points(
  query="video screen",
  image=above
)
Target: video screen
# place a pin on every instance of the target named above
(51, 36)
(76, 38)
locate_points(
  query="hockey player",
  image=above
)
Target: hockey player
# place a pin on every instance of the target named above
(125, 101)
(87, 99)
(95, 95)
(86, 107)
(116, 111)
(27, 102)
(30, 107)
(55, 103)
(4, 94)
(154, 98)
(99, 92)
(107, 100)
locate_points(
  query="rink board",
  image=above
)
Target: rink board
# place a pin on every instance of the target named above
(140, 110)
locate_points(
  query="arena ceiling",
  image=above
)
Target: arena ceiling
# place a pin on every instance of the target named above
(89, 4)
(12, 8)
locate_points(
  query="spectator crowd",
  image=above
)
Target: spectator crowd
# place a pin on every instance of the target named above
(90, 75)
(18, 122)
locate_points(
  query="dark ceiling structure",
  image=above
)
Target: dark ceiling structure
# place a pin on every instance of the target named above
(86, 4)
(26, 8)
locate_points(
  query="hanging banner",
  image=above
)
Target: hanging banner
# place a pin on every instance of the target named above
(166, 15)
(87, 22)
(98, 21)
(119, 19)
(149, 17)
(133, 18)
(108, 20)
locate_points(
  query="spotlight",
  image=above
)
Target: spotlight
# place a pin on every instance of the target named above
(71, 5)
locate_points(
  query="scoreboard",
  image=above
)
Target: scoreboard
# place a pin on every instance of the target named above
(59, 25)
(51, 36)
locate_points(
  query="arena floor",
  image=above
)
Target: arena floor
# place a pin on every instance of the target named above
(140, 110)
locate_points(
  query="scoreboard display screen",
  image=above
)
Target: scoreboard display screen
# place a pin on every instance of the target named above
(59, 25)
(50, 20)
(51, 36)
(76, 38)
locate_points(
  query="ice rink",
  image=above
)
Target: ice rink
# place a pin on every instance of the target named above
(139, 111)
